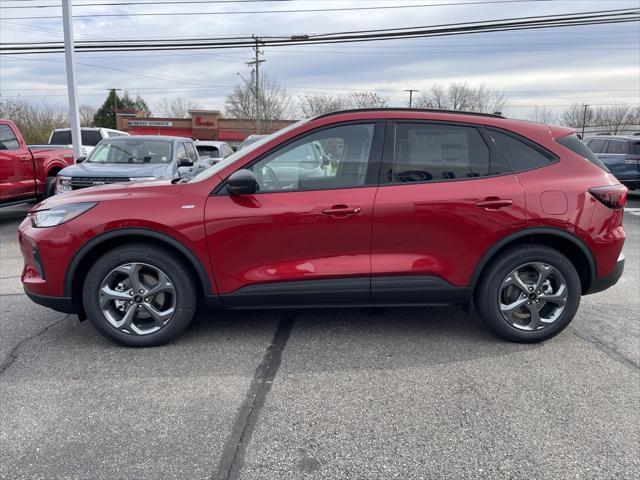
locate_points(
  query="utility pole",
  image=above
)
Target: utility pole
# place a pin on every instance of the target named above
(115, 101)
(411, 96)
(584, 119)
(72, 89)
(256, 69)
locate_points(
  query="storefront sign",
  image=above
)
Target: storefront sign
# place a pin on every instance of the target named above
(149, 123)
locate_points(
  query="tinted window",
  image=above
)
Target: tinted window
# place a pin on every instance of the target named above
(131, 151)
(618, 147)
(517, 153)
(208, 151)
(596, 145)
(332, 158)
(90, 138)
(8, 140)
(426, 152)
(573, 143)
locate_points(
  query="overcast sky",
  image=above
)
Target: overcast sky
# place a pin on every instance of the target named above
(554, 67)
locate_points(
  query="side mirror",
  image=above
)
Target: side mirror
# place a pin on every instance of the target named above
(242, 182)
(81, 159)
(185, 162)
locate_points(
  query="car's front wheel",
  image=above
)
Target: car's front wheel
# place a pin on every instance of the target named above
(139, 295)
(529, 293)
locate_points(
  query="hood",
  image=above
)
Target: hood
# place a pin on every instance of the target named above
(112, 191)
(129, 170)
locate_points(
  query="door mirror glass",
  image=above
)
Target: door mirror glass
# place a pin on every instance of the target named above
(242, 182)
(81, 159)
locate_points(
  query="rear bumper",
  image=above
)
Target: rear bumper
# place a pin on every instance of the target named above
(60, 304)
(602, 283)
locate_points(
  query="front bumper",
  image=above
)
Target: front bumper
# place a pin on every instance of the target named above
(602, 283)
(60, 304)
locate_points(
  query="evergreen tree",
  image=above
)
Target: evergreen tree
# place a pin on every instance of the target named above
(105, 115)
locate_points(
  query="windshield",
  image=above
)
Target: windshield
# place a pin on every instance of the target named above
(90, 138)
(241, 153)
(132, 151)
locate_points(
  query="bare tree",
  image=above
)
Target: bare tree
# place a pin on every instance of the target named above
(35, 120)
(618, 118)
(176, 107)
(319, 104)
(87, 113)
(463, 97)
(576, 115)
(274, 101)
(367, 100)
(543, 115)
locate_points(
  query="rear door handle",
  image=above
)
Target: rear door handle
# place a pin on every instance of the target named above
(494, 204)
(342, 210)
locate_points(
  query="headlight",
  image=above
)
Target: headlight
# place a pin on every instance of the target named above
(63, 184)
(58, 215)
(142, 179)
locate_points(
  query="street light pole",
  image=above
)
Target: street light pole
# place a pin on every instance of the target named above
(411, 95)
(72, 89)
(584, 119)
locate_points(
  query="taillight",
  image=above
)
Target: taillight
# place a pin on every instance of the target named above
(613, 196)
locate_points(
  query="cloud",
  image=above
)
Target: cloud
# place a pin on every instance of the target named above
(596, 64)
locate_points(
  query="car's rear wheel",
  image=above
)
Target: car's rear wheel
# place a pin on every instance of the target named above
(139, 295)
(529, 293)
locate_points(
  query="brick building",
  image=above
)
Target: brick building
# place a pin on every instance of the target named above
(202, 125)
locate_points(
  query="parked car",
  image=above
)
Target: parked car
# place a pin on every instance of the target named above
(130, 158)
(422, 208)
(27, 173)
(621, 155)
(91, 136)
(250, 140)
(213, 149)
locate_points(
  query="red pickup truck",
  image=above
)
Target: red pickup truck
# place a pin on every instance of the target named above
(28, 173)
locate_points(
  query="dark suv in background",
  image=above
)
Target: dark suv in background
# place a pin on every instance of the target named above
(621, 155)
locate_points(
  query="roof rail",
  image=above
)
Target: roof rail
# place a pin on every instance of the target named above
(403, 109)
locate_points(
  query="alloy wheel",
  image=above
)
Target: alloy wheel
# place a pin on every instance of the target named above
(532, 296)
(137, 298)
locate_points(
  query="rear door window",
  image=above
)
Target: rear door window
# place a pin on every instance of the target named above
(519, 154)
(596, 145)
(618, 147)
(436, 153)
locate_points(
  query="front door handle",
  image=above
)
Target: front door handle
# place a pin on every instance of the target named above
(494, 203)
(341, 210)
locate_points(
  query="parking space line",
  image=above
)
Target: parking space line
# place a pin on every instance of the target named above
(247, 417)
(633, 211)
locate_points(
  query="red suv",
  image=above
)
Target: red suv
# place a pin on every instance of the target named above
(355, 208)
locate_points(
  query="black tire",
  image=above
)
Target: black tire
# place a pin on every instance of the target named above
(488, 291)
(50, 187)
(157, 257)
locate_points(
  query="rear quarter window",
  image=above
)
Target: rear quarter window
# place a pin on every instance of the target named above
(573, 143)
(518, 153)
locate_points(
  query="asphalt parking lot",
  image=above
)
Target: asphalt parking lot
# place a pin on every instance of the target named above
(375, 394)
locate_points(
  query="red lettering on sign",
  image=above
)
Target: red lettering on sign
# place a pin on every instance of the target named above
(204, 123)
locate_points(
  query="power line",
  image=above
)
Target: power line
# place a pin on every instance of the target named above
(528, 23)
(156, 2)
(312, 10)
